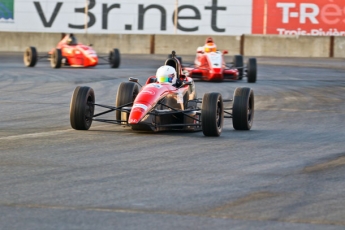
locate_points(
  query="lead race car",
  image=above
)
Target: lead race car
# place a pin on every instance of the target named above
(168, 101)
(68, 52)
(210, 65)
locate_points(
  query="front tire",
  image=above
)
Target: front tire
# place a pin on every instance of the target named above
(30, 56)
(212, 114)
(126, 93)
(238, 64)
(243, 109)
(82, 108)
(56, 59)
(114, 58)
(251, 70)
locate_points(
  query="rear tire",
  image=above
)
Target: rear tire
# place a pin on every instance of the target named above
(126, 93)
(212, 114)
(30, 56)
(238, 64)
(178, 58)
(56, 59)
(114, 58)
(243, 109)
(251, 70)
(82, 108)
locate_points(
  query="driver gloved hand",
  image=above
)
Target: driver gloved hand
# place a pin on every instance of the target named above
(178, 83)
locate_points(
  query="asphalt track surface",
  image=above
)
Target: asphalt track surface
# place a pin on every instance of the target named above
(286, 173)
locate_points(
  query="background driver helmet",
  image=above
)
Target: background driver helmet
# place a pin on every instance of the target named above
(72, 40)
(210, 47)
(166, 74)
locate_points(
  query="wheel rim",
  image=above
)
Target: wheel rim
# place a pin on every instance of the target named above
(250, 110)
(28, 56)
(218, 115)
(89, 109)
(111, 57)
(53, 59)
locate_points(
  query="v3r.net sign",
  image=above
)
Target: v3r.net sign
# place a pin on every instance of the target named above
(225, 17)
(299, 17)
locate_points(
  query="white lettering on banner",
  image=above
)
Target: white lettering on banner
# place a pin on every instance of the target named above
(307, 10)
(226, 17)
(313, 32)
(312, 15)
(286, 9)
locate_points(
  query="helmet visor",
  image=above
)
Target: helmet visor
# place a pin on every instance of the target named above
(163, 79)
(209, 49)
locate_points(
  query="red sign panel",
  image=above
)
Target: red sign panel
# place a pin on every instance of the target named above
(299, 17)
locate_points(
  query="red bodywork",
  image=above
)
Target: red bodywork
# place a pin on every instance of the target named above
(211, 67)
(78, 55)
(151, 93)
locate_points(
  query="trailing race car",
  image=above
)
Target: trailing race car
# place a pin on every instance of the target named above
(69, 52)
(168, 101)
(209, 65)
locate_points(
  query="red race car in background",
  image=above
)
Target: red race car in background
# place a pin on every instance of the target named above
(209, 65)
(69, 52)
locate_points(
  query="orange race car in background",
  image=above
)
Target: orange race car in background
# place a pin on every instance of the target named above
(210, 65)
(69, 52)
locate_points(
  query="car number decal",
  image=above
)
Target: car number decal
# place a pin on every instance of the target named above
(155, 85)
(142, 106)
(148, 91)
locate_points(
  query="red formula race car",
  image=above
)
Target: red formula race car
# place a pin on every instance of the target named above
(168, 101)
(209, 65)
(69, 52)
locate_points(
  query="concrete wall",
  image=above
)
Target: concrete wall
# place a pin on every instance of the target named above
(127, 43)
(102, 43)
(19, 41)
(286, 46)
(251, 45)
(339, 47)
(187, 44)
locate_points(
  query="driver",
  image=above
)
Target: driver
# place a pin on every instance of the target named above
(166, 74)
(72, 40)
(210, 46)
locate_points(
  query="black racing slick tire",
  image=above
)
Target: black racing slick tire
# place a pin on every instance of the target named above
(251, 70)
(243, 109)
(212, 114)
(126, 93)
(238, 64)
(30, 56)
(56, 59)
(178, 58)
(82, 108)
(114, 58)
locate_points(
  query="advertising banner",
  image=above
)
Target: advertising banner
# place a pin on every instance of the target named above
(6, 10)
(222, 17)
(299, 17)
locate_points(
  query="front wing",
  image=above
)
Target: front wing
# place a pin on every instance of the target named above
(160, 119)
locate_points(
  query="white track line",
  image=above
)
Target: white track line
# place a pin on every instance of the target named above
(42, 134)
(35, 135)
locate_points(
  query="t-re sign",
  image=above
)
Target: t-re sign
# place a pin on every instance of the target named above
(299, 17)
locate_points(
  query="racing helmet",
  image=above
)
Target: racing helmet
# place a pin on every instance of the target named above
(210, 47)
(166, 74)
(72, 40)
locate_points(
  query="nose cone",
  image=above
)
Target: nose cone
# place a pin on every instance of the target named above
(216, 74)
(138, 112)
(91, 61)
